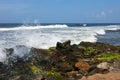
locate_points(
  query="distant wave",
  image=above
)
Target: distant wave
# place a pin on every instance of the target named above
(102, 30)
(32, 27)
(113, 27)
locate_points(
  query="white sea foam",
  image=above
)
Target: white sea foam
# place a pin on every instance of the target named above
(100, 31)
(41, 40)
(89, 39)
(20, 50)
(32, 27)
(113, 27)
(46, 36)
(2, 55)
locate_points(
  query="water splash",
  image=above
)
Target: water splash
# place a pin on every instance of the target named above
(46, 36)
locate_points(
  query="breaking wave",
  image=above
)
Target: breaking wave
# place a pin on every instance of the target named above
(46, 36)
(32, 27)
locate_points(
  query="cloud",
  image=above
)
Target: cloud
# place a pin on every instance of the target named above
(102, 14)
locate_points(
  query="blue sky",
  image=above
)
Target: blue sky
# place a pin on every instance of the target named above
(60, 11)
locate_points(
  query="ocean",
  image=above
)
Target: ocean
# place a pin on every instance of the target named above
(47, 35)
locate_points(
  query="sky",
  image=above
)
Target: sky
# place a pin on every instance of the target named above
(60, 11)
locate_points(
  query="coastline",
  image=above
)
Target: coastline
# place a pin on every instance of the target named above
(63, 62)
(60, 40)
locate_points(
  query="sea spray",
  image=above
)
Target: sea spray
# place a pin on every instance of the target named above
(3, 56)
(12, 54)
(45, 36)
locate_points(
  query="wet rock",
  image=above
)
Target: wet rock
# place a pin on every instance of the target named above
(9, 52)
(16, 53)
(39, 54)
(64, 47)
(71, 61)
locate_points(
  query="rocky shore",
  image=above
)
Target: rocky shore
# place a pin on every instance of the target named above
(85, 61)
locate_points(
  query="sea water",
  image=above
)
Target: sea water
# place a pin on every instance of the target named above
(47, 35)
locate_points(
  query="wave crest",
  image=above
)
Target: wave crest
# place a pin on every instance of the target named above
(23, 27)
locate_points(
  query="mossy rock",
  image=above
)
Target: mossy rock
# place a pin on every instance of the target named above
(91, 51)
(109, 57)
(22, 69)
(102, 47)
(52, 50)
(51, 75)
(36, 70)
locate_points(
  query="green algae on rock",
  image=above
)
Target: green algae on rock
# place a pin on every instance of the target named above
(63, 61)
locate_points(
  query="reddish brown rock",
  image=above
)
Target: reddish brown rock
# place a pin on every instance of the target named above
(83, 66)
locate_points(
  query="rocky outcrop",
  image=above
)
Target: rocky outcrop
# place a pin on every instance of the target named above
(61, 62)
(64, 47)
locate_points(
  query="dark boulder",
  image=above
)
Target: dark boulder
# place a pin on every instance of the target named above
(39, 54)
(64, 47)
(9, 51)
